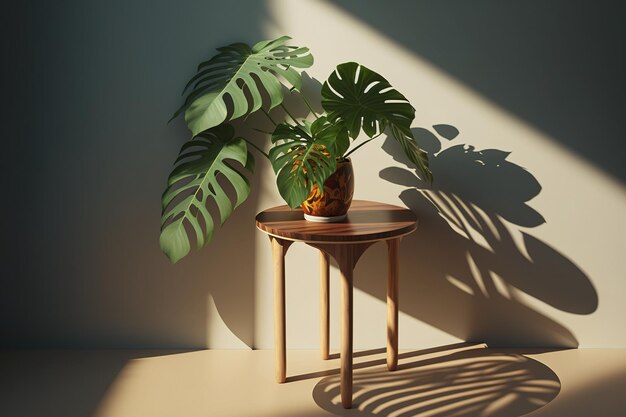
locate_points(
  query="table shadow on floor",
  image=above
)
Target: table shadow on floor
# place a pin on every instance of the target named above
(474, 382)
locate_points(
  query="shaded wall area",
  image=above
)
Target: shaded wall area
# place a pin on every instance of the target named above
(88, 88)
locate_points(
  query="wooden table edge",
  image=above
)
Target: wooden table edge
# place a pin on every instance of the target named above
(413, 228)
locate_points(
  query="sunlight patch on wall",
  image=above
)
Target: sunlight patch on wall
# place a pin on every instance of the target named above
(460, 285)
(219, 336)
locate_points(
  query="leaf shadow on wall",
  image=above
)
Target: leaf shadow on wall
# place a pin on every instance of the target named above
(469, 266)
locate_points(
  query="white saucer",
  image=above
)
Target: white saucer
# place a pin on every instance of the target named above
(321, 219)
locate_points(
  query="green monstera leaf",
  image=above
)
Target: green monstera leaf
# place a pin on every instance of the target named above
(363, 99)
(239, 69)
(194, 182)
(303, 156)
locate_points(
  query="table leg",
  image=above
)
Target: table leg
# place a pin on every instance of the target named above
(279, 249)
(392, 304)
(346, 256)
(346, 262)
(324, 304)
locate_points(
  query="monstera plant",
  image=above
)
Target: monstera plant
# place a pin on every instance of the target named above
(241, 80)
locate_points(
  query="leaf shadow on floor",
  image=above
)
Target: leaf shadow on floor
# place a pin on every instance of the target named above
(448, 381)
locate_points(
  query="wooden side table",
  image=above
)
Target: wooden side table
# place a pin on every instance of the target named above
(367, 223)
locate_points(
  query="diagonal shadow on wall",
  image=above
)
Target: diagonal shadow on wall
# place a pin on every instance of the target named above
(531, 58)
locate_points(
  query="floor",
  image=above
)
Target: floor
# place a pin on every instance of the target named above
(455, 380)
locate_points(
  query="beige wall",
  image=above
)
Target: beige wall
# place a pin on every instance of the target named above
(536, 256)
(555, 283)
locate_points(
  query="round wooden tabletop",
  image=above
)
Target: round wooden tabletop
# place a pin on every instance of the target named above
(366, 221)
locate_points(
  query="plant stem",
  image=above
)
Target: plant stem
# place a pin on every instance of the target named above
(367, 141)
(257, 148)
(308, 105)
(269, 117)
(288, 113)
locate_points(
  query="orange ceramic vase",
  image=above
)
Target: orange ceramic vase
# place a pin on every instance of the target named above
(333, 203)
